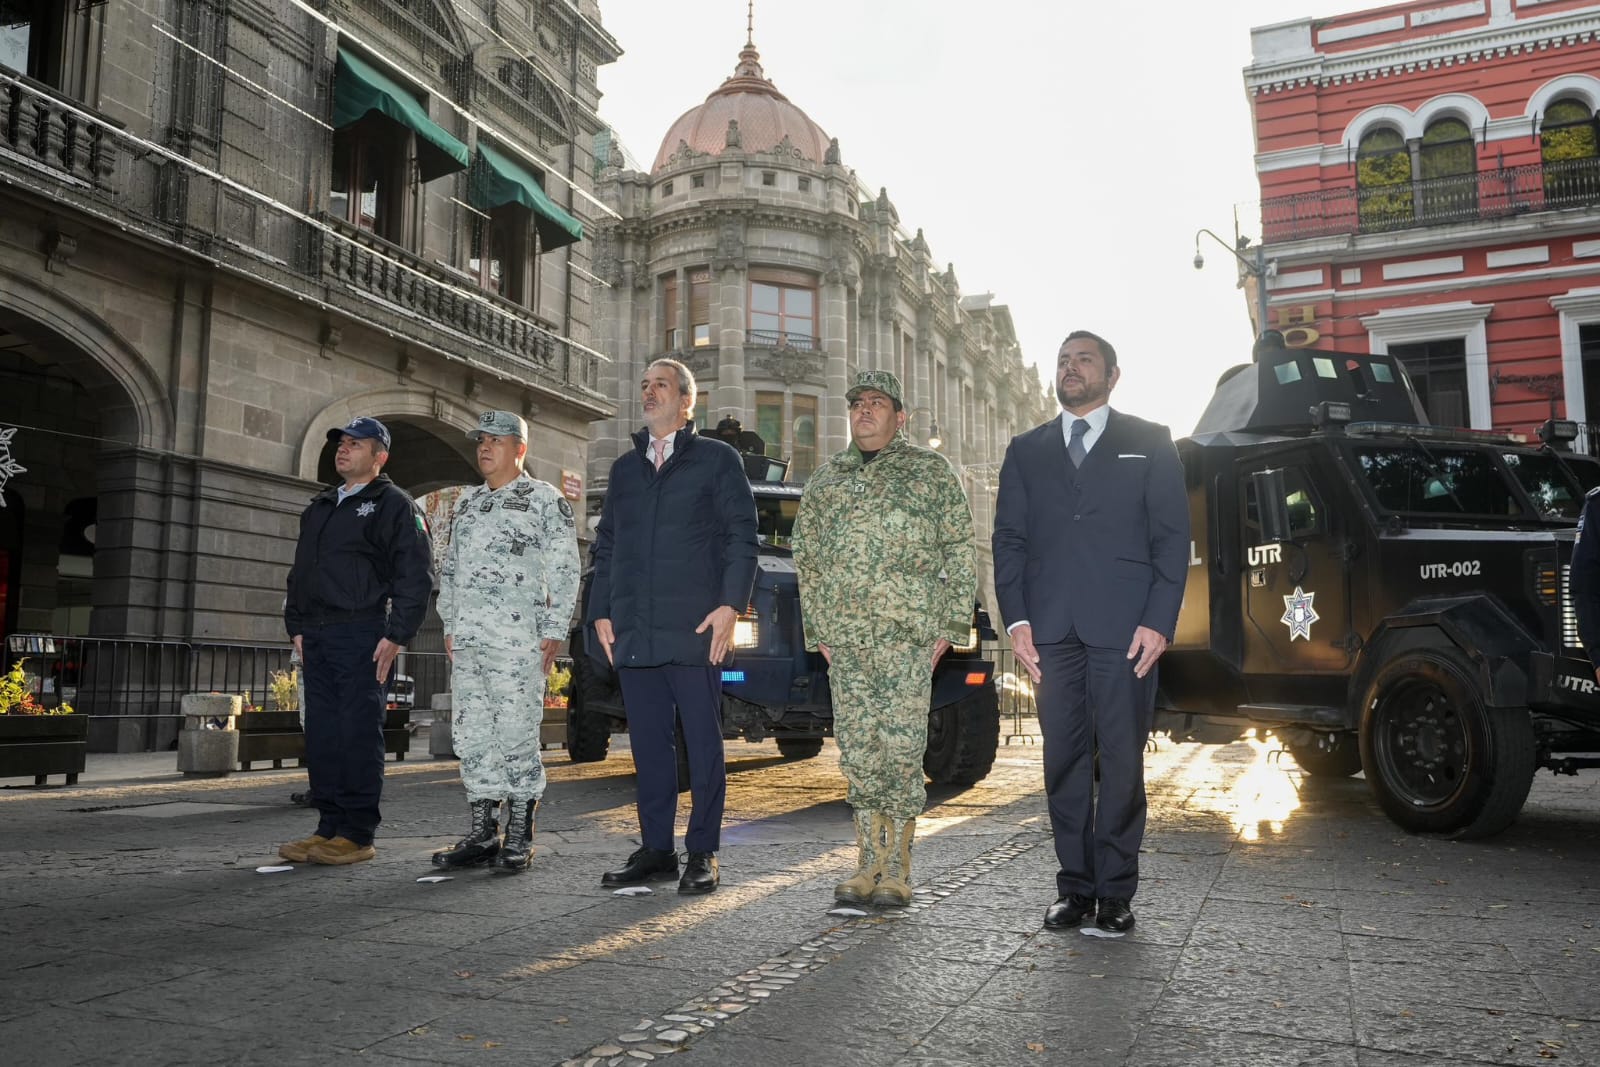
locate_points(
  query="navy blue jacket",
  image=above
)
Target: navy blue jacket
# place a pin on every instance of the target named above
(1100, 549)
(355, 557)
(672, 546)
(1586, 576)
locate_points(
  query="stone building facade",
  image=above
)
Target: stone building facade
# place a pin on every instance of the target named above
(1430, 183)
(751, 251)
(229, 225)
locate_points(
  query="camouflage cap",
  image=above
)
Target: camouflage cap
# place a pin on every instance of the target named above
(883, 381)
(500, 424)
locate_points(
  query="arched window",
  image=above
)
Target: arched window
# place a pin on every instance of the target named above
(1449, 164)
(1383, 181)
(1569, 145)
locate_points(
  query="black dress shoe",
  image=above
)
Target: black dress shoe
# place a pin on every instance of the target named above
(1068, 911)
(645, 865)
(699, 873)
(1115, 915)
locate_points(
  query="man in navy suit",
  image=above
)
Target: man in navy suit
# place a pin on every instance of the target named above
(1091, 550)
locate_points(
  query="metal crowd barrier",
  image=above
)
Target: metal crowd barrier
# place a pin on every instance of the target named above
(1016, 697)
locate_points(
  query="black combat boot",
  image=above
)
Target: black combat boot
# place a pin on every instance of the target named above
(518, 850)
(482, 842)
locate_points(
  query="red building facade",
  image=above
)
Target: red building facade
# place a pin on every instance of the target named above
(1430, 187)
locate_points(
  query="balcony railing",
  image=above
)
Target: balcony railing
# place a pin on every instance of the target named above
(49, 134)
(1487, 195)
(802, 342)
(511, 337)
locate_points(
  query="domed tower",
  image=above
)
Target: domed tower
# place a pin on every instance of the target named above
(739, 253)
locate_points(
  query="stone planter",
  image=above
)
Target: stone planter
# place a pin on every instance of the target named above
(42, 745)
(206, 750)
(276, 736)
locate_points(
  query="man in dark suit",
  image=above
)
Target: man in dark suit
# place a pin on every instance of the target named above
(674, 563)
(1091, 540)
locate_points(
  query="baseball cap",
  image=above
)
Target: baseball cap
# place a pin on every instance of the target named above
(883, 381)
(365, 426)
(500, 424)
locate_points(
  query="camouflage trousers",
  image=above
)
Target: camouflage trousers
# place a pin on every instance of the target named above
(496, 707)
(880, 721)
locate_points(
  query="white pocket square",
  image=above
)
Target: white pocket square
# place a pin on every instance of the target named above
(1132, 455)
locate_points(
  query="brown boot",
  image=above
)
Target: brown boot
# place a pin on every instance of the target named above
(869, 860)
(296, 851)
(894, 886)
(340, 851)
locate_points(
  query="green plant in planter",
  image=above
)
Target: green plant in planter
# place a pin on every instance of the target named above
(16, 694)
(285, 689)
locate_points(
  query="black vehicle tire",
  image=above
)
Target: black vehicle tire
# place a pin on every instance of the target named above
(1439, 760)
(792, 748)
(588, 730)
(962, 738)
(1330, 755)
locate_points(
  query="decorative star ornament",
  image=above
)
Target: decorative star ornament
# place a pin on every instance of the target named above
(8, 466)
(1298, 614)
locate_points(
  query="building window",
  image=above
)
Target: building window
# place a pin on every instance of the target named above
(805, 185)
(666, 190)
(1449, 164)
(769, 421)
(1568, 147)
(368, 174)
(1438, 371)
(783, 309)
(697, 181)
(803, 430)
(502, 253)
(769, 177)
(49, 42)
(699, 311)
(1383, 181)
(701, 404)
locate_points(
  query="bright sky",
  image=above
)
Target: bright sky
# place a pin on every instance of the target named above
(1061, 155)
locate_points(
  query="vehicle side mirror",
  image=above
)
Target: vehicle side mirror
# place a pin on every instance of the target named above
(1271, 506)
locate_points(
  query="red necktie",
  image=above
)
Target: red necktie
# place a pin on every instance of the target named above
(661, 452)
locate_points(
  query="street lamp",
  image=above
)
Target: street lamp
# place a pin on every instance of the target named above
(1257, 268)
(934, 440)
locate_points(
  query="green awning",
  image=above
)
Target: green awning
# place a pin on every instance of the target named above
(497, 180)
(359, 88)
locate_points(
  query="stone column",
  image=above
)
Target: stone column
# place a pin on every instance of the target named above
(833, 431)
(729, 292)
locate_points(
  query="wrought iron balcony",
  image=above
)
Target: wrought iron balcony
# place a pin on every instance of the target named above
(1486, 195)
(802, 342)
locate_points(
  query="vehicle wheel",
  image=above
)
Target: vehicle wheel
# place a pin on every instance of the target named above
(962, 738)
(588, 730)
(799, 747)
(1328, 755)
(1440, 761)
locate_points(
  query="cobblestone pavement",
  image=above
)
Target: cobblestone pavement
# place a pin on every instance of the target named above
(1282, 920)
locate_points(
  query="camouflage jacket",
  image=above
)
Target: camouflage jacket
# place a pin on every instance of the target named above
(885, 550)
(510, 574)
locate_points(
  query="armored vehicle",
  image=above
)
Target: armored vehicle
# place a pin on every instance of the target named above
(773, 687)
(1382, 594)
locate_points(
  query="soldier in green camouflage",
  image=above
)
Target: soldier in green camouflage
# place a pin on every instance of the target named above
(883, 545)
(506, 593)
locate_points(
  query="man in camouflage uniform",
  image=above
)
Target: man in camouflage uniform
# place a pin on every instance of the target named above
(506, 593)
(883, 545)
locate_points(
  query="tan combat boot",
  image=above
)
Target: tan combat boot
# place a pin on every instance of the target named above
(894, 885)
(869, 860)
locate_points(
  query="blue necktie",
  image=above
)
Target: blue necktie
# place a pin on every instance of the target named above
(1075, 449)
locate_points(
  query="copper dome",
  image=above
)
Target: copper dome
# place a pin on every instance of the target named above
(765, 118)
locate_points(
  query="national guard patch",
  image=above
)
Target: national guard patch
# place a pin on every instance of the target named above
(565, 509)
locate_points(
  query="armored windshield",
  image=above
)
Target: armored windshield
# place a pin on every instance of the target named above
(775, 519)
(1443, 482)
(1552, 483)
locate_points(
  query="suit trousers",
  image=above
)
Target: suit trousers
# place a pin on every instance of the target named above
(656, 700)
(1091, 702)
(344, 728)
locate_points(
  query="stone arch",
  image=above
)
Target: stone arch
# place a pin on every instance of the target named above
(1585, 87)
(1469, 109)
(1401, 118)
(446, 418)
(543, 94)
(134, 402)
